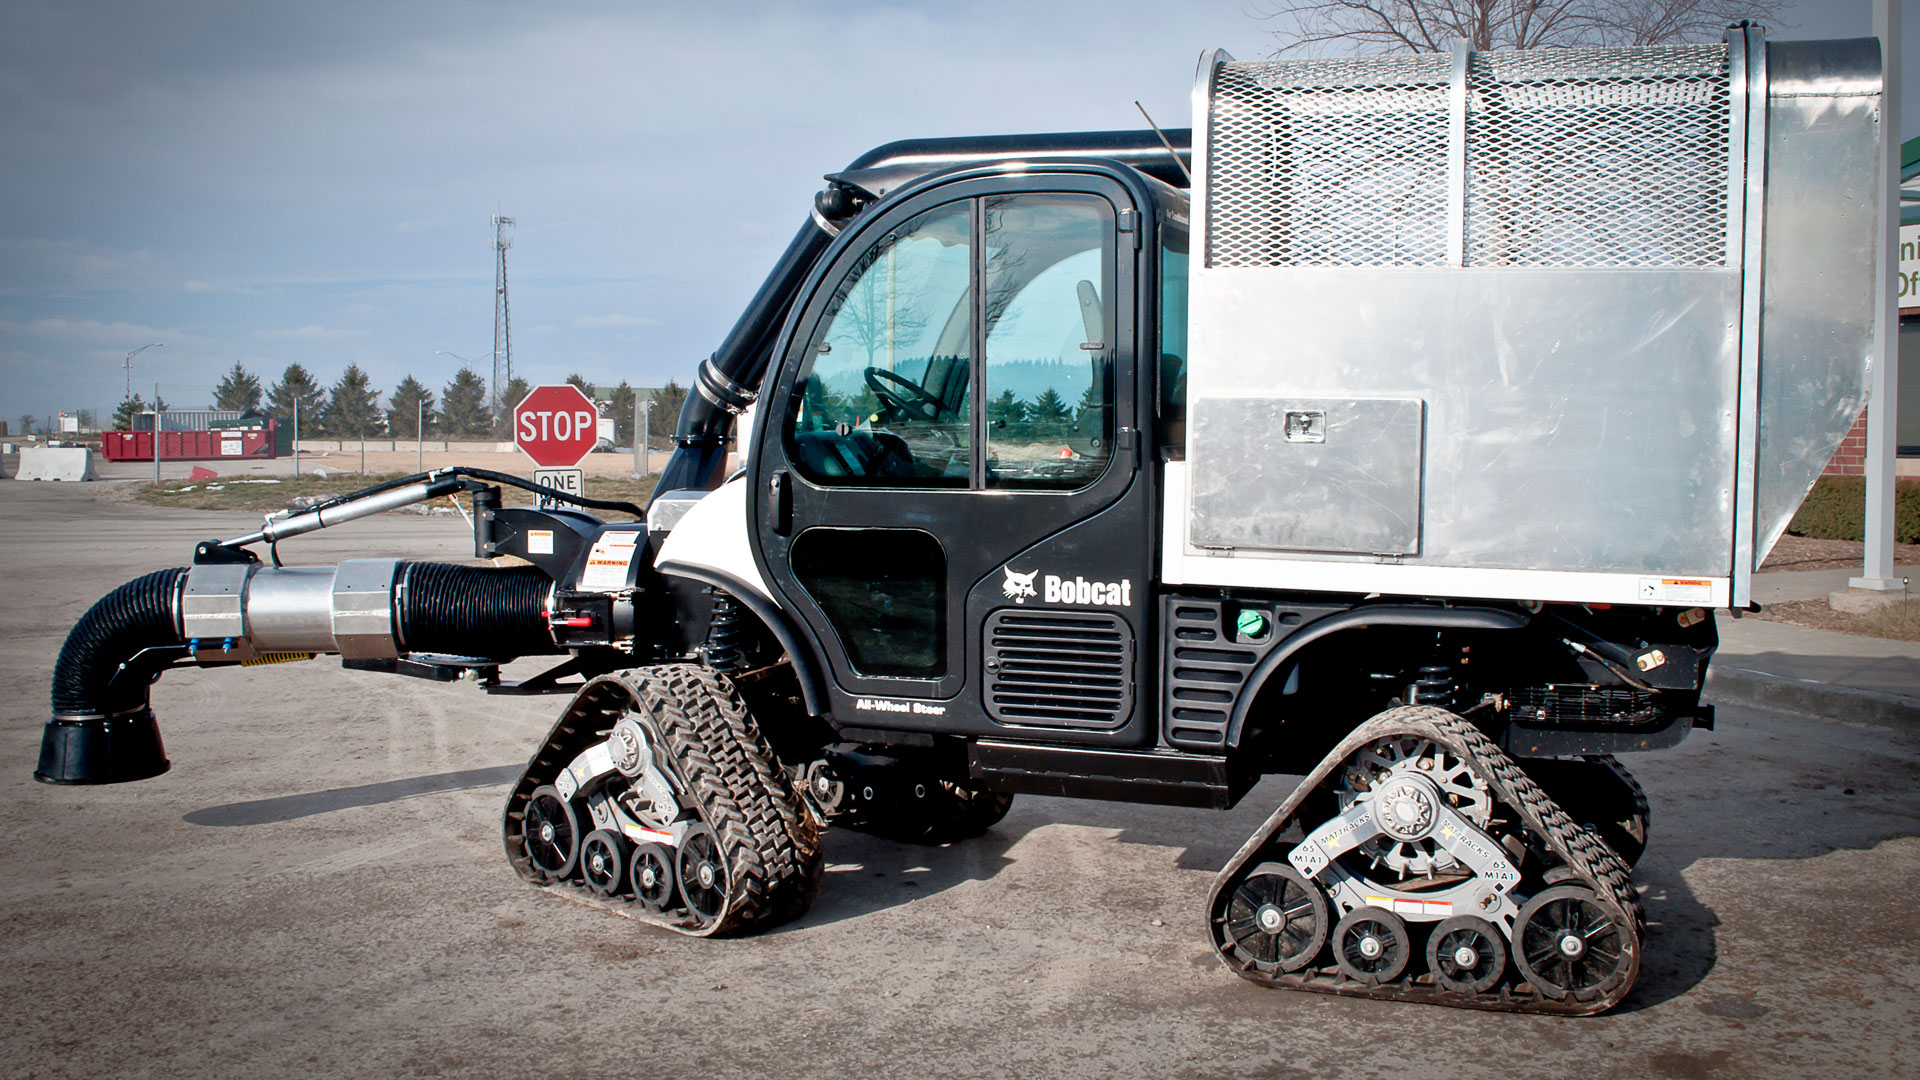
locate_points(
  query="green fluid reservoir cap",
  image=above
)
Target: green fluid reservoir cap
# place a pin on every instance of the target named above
(1252, 625)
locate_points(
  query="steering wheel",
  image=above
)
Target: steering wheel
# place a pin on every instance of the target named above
(903, 396)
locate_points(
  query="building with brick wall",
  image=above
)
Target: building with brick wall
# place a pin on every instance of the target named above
(1851, 458)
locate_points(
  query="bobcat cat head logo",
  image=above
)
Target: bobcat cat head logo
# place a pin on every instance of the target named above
(1018, 586)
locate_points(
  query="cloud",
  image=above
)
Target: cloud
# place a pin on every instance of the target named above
(72, 266)
(120, 335)
(418, 225)
(616, 320)
(211, 287)
(310, 332)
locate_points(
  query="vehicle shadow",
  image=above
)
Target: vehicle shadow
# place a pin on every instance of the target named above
(866, 874)
(306, 804)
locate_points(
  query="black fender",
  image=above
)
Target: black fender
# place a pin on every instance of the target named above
(805, 669)
(1359, 618)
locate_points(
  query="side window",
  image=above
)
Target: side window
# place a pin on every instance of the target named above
(1049, 343)
(885, 400)
(885, 593)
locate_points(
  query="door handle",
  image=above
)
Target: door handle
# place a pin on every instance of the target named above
(780, 502)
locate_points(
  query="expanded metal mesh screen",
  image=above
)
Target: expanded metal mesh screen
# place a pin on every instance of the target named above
(1329, 163)
(1597, 157)
(1573, 158)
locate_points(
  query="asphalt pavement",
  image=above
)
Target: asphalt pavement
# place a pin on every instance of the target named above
(317, 888)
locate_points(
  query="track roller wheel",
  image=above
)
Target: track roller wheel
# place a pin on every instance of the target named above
(1276, 920)
(603, 862)
(1371, 946)
(1466, 955)
(551, 833)
(652, 877)
(702, 875)
(1567, 945)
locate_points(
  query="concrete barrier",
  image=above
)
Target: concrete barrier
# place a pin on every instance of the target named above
(56, 463)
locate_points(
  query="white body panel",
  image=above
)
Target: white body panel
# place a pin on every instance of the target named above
(1181, 563)
(712, 536)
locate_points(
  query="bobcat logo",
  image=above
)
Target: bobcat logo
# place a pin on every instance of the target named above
(1018, 586)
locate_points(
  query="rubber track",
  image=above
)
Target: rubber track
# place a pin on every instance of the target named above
(1640, 804)
(1592, 862)
(716, 755)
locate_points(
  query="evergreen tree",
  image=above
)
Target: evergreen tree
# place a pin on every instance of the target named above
(666, 410)
(463, 406)
(405, 408)
(515, 392)
(580, 383)
(353, 406)
(1049, 408)
(239, 391)
(1006, 409)
(297, 388)
(122, 416)
(621, 405)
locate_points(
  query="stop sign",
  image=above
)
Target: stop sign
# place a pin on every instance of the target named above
(556, 426)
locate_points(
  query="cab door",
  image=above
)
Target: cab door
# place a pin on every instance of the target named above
(951, 499)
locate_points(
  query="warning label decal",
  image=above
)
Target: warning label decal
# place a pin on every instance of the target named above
(607, 563)
(1676, 590)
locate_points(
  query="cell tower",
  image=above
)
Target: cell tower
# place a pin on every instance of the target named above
(502, 326)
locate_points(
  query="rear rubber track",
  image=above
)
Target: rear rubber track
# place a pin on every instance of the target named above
(1588, 860)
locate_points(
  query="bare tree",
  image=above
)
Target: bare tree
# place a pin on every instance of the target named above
(1384, 26)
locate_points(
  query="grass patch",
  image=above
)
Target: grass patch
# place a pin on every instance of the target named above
(1836, 509)
(248, 494)
(1899, 621)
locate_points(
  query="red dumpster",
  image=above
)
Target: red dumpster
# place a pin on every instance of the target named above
(190, 445)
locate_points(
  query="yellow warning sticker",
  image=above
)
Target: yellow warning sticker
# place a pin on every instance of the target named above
(1672, 590)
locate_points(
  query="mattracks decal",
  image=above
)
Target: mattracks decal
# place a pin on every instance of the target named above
(1058, 590)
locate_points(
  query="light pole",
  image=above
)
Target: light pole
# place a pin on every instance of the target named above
(129, 365)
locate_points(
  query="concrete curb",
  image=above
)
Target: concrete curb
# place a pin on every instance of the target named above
(1740, 686)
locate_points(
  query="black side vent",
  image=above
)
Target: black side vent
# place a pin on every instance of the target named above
(1059, 669)
(1204, 673)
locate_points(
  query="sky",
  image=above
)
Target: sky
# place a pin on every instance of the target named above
(282, 183)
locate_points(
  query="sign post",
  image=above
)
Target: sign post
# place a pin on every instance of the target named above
(557, 426)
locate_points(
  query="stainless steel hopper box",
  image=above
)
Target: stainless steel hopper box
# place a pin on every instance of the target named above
(1568, 324)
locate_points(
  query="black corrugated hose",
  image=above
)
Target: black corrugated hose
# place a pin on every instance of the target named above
(102, 730)
(474, 610)
(141, 614)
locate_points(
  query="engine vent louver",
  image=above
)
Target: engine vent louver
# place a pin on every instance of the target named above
(1059, 669)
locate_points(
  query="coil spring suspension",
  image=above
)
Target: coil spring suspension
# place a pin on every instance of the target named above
(723, 649)
(1436, 686)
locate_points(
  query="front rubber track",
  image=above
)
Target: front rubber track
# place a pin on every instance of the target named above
(769, 840)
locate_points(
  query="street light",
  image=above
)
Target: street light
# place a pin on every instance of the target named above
(462, 359)
(493, 394)
(129, 365)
